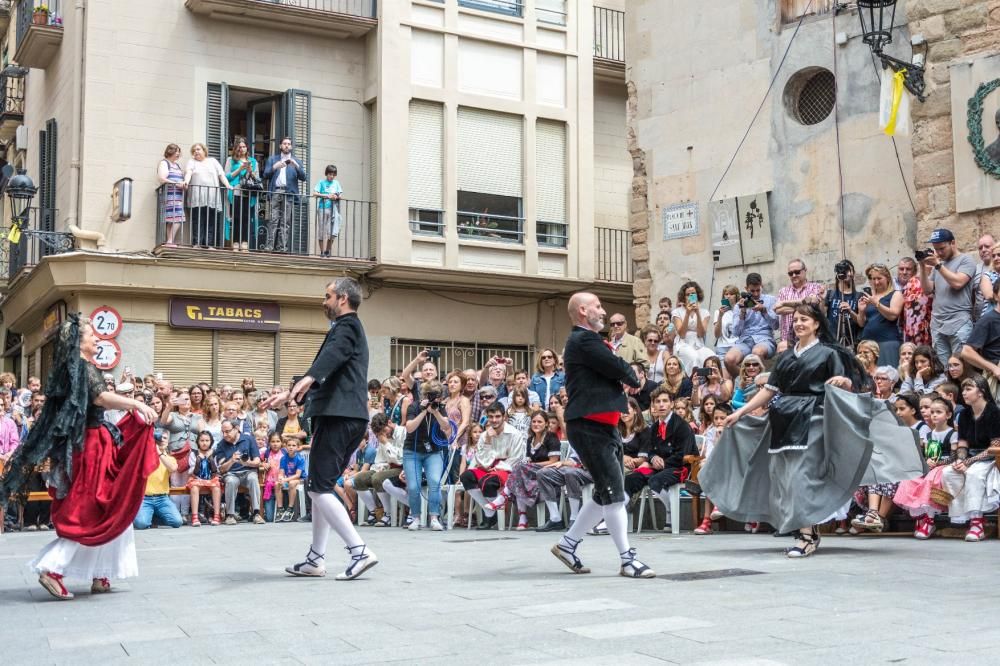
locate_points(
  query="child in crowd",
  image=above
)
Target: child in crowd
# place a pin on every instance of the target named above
(361, 461)
(519, 414)
(682, 408)
(468, 453)
(711, 437)
(706, 409)
(953, 395)
(271, 457)
(908, 410)
(204, 474)
(328, 194)
(918, 495)
(291, 472)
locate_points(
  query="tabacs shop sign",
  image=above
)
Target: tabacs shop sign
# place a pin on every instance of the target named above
(224, 315)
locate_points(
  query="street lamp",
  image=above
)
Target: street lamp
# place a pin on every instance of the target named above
(20, 190)
(877, 18)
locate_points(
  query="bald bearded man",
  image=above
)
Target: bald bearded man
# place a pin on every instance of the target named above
(594, 378)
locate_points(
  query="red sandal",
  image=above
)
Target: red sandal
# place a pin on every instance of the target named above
(53, 584)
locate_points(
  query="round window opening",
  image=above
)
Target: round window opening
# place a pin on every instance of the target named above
(810, 95)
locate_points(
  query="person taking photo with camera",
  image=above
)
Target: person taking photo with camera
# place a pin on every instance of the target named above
(841, 304)
(428, 434)
(754, 321)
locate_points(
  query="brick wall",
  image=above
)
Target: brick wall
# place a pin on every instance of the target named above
(955, 30)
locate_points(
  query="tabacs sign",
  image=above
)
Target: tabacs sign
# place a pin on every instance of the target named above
(224, 315)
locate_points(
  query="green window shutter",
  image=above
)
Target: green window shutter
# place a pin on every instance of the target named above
(217, 121)
(296, 112)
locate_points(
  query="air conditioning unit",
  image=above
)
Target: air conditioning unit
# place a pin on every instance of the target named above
(21, 137)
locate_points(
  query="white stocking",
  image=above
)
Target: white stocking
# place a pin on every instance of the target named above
(553, 508)
(616, 518)
(335, 514)
(368, 497)
(477, 495)
(590, 514)
(574, 507)
(399, 493)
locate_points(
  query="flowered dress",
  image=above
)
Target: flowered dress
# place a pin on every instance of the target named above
(173, 198)
(916, 313)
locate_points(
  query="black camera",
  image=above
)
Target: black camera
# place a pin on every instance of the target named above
(843, 268)
(748, 299)
(434, 353)
(922, 254)
(433, 398)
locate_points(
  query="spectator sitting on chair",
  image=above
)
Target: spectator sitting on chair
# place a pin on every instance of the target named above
(499, 448)
(625, 345)
(291, 473)
(568, 473)
(360, 461)
(754, 321)
(670, 439)
(388, 465)
(156, 505)
(204, 474)
(238, 459)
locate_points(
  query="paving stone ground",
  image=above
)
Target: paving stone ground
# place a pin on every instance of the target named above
(220, 595)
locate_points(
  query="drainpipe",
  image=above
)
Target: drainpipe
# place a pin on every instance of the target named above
(72, 222)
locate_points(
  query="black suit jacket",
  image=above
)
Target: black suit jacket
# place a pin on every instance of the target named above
(594, 376)
(341, 372)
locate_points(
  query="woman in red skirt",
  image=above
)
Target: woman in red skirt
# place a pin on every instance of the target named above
(98, 470)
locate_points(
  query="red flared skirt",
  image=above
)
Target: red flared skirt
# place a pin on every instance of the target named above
(108, 485)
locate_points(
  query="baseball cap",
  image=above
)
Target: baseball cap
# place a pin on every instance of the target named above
(941, 236)
(124, 387)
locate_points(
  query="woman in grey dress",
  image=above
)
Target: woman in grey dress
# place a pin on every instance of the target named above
(798, 465)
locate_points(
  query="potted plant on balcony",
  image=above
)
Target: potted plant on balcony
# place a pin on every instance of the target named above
(40, 15)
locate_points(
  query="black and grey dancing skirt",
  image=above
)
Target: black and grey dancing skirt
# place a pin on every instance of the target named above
(842, 441)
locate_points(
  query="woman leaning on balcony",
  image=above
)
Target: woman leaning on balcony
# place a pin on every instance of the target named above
(203, 178)
(170, 176)
(239, 165)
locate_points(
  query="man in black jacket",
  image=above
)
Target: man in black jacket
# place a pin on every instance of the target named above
(594, 378)
(335, 390)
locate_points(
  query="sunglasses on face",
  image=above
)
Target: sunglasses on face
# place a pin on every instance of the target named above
(548, 357)
(617, 323)
(794, 273)
(751, 365)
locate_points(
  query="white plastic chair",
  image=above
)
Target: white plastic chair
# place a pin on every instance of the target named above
(673, 511)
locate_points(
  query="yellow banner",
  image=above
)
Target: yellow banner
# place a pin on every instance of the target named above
(897, 97)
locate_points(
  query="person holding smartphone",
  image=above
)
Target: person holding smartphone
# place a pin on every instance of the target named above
(691, 323)
(282, 173)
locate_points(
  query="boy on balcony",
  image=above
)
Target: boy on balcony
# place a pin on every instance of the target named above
(328, 195)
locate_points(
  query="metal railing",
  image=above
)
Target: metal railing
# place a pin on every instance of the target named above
(213, 217)
(508, 7)
(363, 8)
(613, 260)
(35, 242)
(11, 96)
(427, 221)
(483, 226)
(26, 18)
(551, 11)
(551, 234)
(609, 34)
(459, 355)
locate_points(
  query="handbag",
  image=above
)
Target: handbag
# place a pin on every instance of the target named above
(183, 457)
(251, 183)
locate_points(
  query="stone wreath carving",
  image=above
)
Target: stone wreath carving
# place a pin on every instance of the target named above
(987, 157)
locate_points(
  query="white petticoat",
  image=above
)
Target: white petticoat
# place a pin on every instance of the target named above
(114, 560)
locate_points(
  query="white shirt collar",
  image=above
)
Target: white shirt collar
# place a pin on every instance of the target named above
(799, 351)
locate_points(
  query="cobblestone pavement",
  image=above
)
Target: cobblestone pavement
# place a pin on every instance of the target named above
(220, 595)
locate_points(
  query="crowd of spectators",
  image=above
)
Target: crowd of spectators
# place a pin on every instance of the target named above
(929, 337)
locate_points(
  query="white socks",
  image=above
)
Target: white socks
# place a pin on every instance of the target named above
(336, 515)
(590, 514)
(574, 507)
(616, 519)
(664, 496)
(553, 508)
(383, 497)
(368, 497)
(399, 493)
(477, 495)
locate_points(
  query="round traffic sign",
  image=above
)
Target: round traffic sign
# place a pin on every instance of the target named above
(106, 321)
(108, 354)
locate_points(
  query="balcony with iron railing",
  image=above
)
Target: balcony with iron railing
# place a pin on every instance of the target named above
(272, 225)
(35, 242)
(329, 18)
(11, 104)
(609, 43)
(613, 255)
(39, 32)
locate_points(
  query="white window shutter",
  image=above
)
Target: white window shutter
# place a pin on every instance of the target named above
(490, 147)
(550, 171)
(426, 155)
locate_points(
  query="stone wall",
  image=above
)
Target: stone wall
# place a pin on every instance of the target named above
(955, 30)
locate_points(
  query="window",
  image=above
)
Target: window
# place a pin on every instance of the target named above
(490, 149)
(551, 11)
(792, 10)
(47, 159)
(508, 7)
(426, 153)
(550, 183)
(810, 95)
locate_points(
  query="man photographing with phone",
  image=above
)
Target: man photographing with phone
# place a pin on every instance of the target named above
(754, 322)
(282, 174)
(947, 274)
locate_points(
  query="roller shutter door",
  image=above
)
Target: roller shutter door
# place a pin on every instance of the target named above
(426, 155)
(297, 353)
(184, 356)
(244, 354)
(489, 152)
(550, 180)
